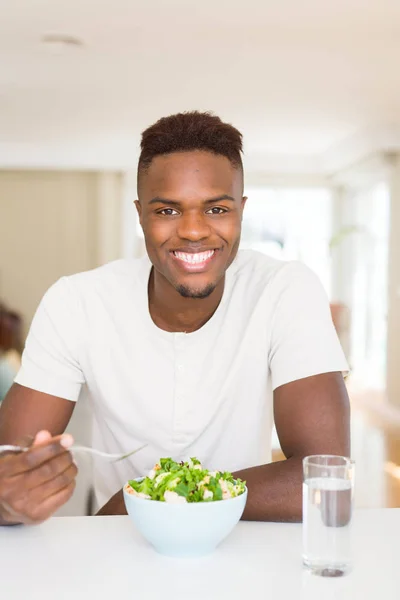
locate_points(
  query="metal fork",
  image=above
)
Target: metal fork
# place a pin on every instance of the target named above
(113, 457)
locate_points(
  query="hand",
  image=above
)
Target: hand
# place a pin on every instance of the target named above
(36, 483)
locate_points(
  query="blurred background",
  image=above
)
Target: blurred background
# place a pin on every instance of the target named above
(315, 89)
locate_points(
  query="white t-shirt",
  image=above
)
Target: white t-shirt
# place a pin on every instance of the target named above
(207, 393)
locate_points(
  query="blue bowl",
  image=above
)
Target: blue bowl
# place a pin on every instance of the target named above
(185, 530)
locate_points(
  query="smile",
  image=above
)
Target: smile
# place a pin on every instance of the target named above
(194, 261)
(194, 258)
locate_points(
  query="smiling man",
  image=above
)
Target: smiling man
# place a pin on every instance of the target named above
(191, 349)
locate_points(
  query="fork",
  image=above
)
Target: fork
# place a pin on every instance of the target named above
(113, 457)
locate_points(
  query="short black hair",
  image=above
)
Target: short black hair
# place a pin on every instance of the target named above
(188, 131)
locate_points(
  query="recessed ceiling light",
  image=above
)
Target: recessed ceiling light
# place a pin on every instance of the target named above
(60, 40)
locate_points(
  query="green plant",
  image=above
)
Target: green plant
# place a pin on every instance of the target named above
(344, 232)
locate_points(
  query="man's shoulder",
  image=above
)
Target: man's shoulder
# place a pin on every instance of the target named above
(112, 280)
(257, 271)
(124, 270)
(251, 260)
(257, 267)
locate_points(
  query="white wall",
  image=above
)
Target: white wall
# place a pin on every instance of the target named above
(54, 223)
(393, 343)
(109, 190)
(132, 243)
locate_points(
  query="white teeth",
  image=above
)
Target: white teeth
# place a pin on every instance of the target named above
(194, 258)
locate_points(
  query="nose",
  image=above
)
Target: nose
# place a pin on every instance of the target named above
(193, 227)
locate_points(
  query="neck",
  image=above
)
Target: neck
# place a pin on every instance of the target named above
(172, 312)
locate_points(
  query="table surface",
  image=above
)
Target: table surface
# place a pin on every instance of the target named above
(98, 558)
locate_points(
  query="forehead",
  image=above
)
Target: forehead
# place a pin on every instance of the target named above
(190, 174)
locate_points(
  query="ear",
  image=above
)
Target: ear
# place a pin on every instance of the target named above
(243, 204)
(139, 210)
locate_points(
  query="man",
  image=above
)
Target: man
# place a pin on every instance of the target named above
(189, 349)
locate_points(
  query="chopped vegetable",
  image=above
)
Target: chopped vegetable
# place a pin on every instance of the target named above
(183, 482)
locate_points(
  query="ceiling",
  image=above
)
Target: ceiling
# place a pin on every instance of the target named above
(308, 82)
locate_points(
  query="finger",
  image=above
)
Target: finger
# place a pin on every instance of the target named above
(52, 486)
(42, 437)
(29, 511)
(45, 473)
(18, 488)
(34, 457)
(44, 510)
(8, 515)
(27, 488)
(25, 441)
(22, 492)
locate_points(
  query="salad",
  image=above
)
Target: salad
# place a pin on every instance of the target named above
(181, 482)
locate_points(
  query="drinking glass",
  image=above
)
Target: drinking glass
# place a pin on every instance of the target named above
(328, 488)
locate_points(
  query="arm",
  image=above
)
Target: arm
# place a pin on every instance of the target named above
(24, 412)
(311, 405)
(115, 506)
(35, 484)
(312, 416)
(50, 363)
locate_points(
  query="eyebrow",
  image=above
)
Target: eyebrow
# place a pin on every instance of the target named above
(158, 200)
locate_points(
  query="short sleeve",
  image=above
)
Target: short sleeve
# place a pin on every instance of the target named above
(50, 361)
(304, 341)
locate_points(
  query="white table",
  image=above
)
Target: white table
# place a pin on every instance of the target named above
(98, 558)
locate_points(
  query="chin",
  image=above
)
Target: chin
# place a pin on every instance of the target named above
(187, 291)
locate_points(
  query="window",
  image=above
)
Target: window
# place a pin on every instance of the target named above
(369, 285)
(291, 224)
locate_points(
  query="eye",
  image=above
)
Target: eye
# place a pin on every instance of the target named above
(168, 212)
(216, 210)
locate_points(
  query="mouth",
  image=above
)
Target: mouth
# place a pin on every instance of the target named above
(194, 261)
